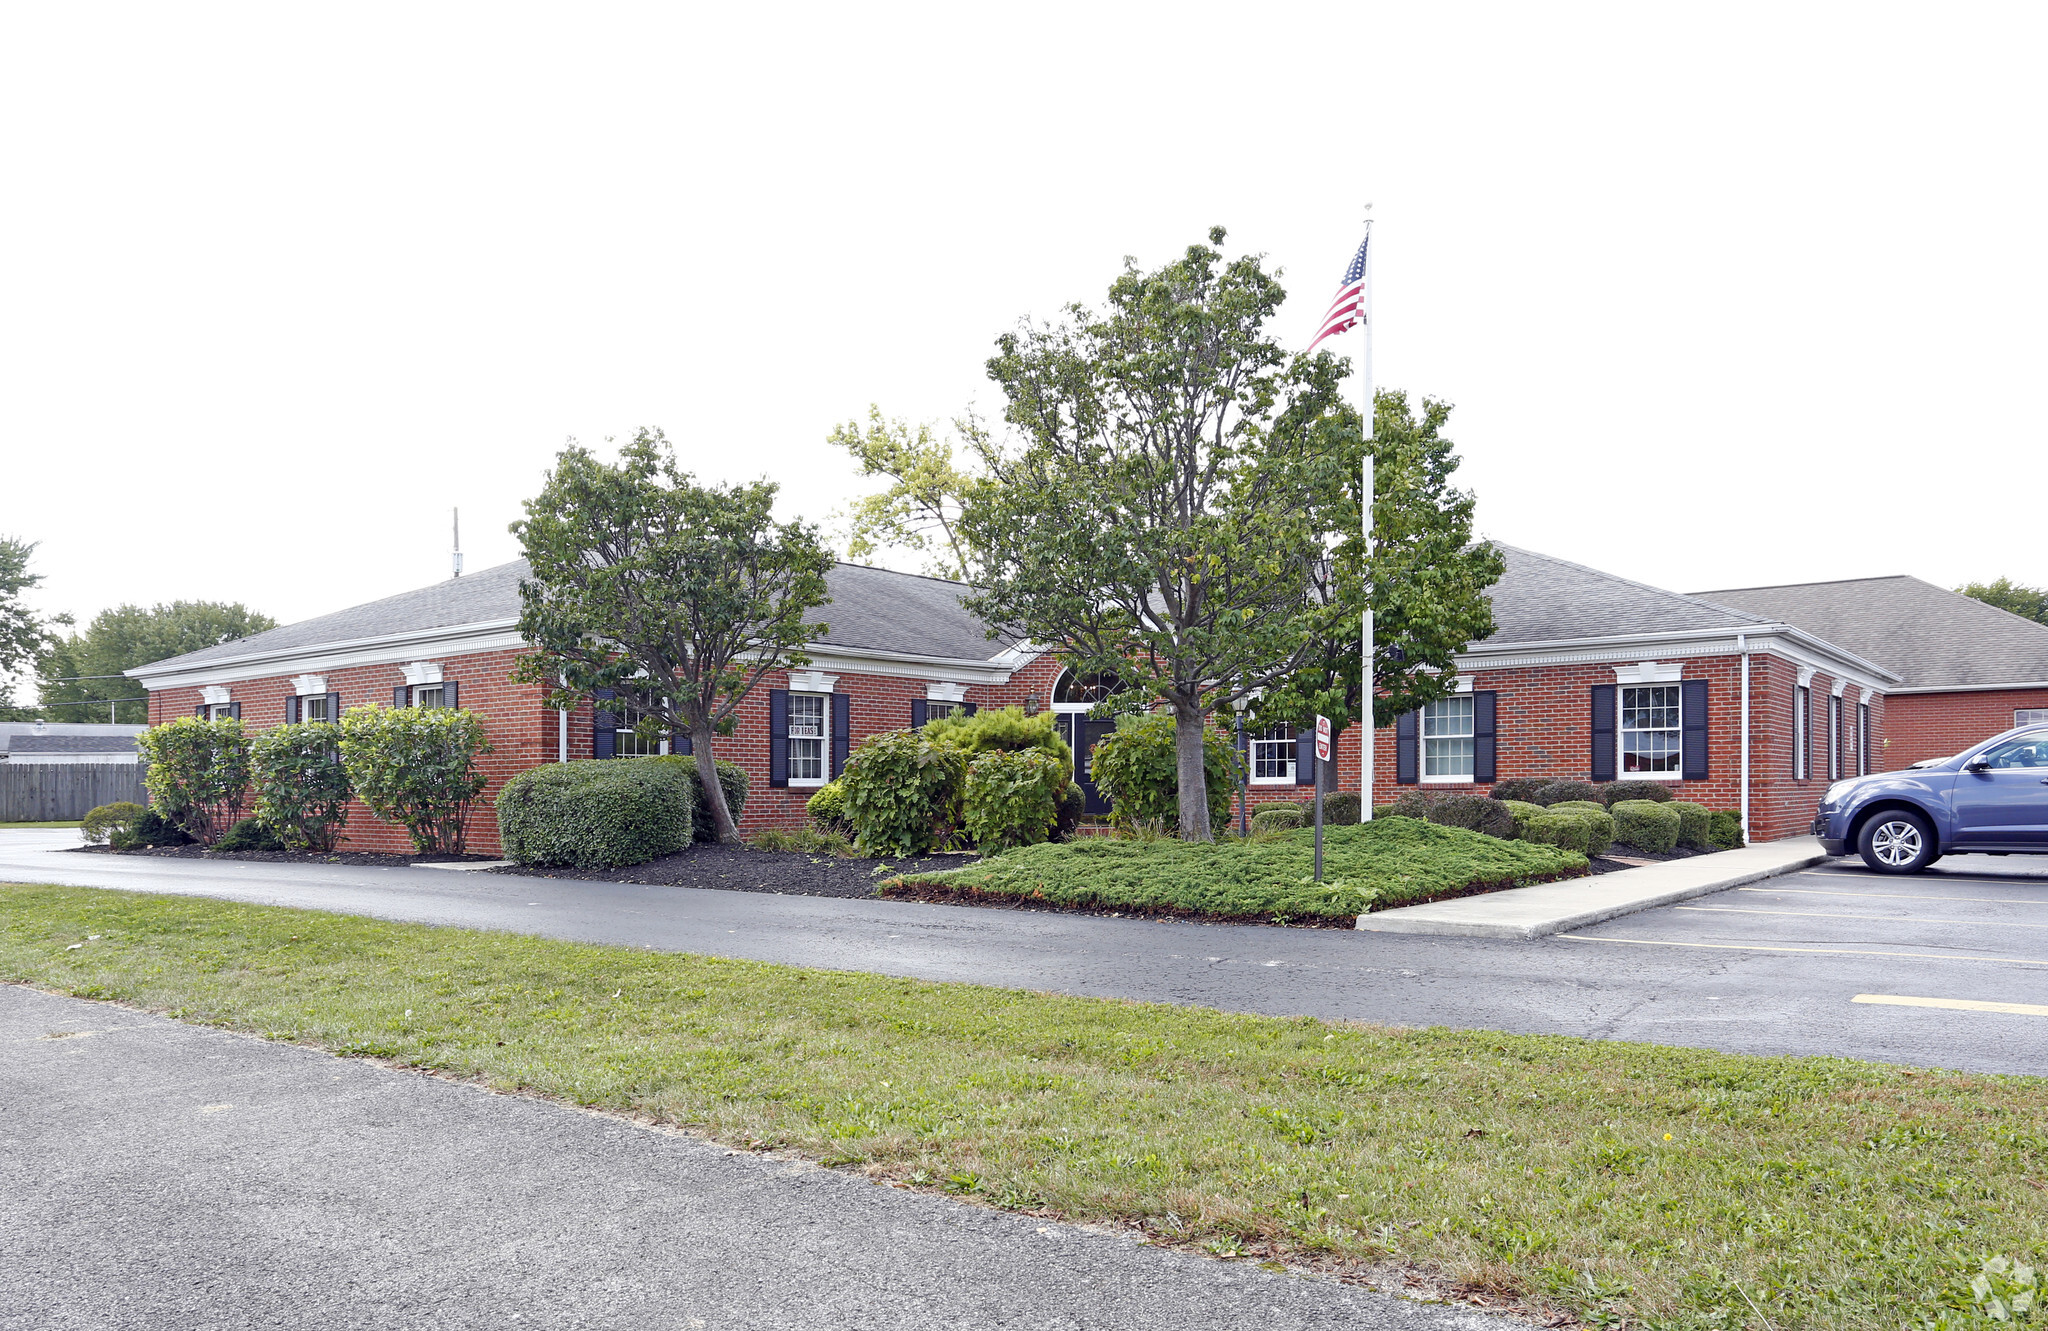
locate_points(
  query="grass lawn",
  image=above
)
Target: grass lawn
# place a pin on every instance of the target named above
(1631, 1184)
(1385, 863)
(72, 823)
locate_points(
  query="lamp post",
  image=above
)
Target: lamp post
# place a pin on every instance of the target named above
(1244, 790)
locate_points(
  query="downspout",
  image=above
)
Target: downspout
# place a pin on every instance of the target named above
(562, 731)
(1742, 646)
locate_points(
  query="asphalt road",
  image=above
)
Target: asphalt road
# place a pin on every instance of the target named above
(1702, 974)
(158, 1176)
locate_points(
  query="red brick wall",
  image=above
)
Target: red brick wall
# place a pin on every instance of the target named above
(1936, 725)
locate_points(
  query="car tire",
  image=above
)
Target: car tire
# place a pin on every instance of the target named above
(1897, 841)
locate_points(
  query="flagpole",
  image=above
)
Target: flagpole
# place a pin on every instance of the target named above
(1366, 683)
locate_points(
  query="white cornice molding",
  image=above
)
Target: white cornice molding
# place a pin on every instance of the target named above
(1764, 639)
(1841, 686)
(1973, 688)
(421, 672)
(811, 681)
(1806, 674)
(940, 690)
(309, 686)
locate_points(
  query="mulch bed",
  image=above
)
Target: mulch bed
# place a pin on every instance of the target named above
(741, 869)
(368, 858)
(1603, 864)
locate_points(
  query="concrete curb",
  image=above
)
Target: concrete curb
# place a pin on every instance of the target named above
(1535, 912)
(462, 866)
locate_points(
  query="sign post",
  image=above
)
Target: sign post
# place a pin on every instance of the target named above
(1322, 756)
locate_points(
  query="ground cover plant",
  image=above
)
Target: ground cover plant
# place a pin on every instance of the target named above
(1390, 862)
(1629, 1185)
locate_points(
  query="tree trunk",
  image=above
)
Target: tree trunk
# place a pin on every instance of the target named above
(723, 829)
(1192, 772)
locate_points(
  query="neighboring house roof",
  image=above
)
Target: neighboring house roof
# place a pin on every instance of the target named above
(872, 609)
(1540, 598)
(24, 744)
(95, 738)
(1932, 637)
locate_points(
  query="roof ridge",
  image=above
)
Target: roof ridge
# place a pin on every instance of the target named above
(1823, 582)
(1641, 586)
(897, 572)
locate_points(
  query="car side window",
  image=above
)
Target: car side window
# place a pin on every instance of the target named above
(2027, 751)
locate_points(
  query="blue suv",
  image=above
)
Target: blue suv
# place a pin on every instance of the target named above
(1992, 799)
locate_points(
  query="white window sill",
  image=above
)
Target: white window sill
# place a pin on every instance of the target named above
(1651, 776)
(806, 783)
(1448, 781)
(1272, 781)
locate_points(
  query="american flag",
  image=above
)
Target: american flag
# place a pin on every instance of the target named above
(1347, 311)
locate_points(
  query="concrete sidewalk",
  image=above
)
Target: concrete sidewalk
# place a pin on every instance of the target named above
(1536, 912)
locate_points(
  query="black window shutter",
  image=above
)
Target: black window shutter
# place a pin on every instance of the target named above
(1407, 759)
(334, 708)
(451, 695)
(1806, 734)
(234, 711)
(967, 709)
(679, 741)
(293, 708)
(1862, 738)
(842, 731)
(200, 710)
(778, 737)
(401, 696)
(1603, 732)
(920, 711)
(1305, 756)
(604, 725)
(1694, 734)
(1484, 746)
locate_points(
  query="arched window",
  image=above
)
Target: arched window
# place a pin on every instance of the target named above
(1084, 690)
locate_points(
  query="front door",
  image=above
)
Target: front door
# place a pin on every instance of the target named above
(2006, 804)
(1086, 732)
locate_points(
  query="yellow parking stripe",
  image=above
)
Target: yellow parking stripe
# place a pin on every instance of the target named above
(1835, 915)
(1957, 1004)
(1900, 896)
(1810, 951)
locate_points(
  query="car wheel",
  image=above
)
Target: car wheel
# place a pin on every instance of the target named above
(1897, 841)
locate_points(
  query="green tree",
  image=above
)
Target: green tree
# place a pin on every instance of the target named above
(921, 508)
(678, 597)
(1158, 518)
(2016, 597)
(1427, 578)
(76, 668)
(417, 767)
(23, 636)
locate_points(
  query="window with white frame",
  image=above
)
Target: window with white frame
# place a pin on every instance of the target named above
(2030, 716)
(313, 707)
(1272, 755)
(628, 742)
(1863, 739)
(934, 710)
(807, 739)
(1447, 739)
(219, 711)
(429, 695)
(1651, 741)
(1834, 738)
(1802, 709)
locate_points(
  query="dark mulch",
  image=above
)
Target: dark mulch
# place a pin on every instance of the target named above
(1602, 864)
(373, 859)
(742, 869)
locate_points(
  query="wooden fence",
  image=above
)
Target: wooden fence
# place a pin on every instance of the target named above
(61, 792)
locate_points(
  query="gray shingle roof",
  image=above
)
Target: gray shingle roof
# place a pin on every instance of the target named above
(1932, 637)
(1544, 599)
(871, 608)
(123, 743)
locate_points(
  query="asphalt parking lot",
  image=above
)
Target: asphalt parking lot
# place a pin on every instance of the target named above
(1968, 935)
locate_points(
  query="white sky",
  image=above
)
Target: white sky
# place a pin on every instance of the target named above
(1724, 294)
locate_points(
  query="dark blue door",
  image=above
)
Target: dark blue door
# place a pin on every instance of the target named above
(2005, 804)
(1085, 734)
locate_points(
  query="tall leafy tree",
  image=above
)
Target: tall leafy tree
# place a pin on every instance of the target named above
(1158, 515)
(678, 597)
(23, 636)
(76, 668)
(2016, 597)
(921, 507)
(1426, 577)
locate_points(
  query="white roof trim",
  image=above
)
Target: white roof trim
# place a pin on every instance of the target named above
(1794, 645)
(1973, 688)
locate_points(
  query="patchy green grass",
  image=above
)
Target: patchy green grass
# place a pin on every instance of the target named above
(72, 823)
(1667, 1189)
(1385, 863)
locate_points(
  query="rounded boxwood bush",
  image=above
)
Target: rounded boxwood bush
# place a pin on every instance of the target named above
(1276, 818)
(1724, 828)
(109, 820)
(1646, 825)
(903, 793)
(1415, 804)
(250, 834)
(732, 778)
(1578, 806)
(1521, 811)
(600, 813)
(1614, 792)
(1520, 789)
(1013, 798)
(1557, 792)
(1693, 821)
(1475, 813)
(828, 809)
(1340, 808)
(1568, 830)
(1599, 831)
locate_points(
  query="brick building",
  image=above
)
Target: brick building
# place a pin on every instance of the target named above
(1738, 704)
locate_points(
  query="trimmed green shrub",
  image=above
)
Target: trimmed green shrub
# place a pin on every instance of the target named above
(1289, 805)
(1599, 832)
(828, 809)
(152, 829)
(1415, 804)
(108, 821)
(1570, 831)
(1614, 792)
(1475, 813)
(1006, 729)
(598, 813)
(250, 834)
(1692, 823)
(1556, 792)
(1073, 808)
(1646, 825)
(301, 787)
(903, 793)
(1724, 829)
(416, 766)
(731, 776)
(1136, 767)
(1276, 818)
(1578, 806)
(1384, 811)
(1520, 789)
(197, 773)
(1521, 811)
(1340, 808)
(1013, 797)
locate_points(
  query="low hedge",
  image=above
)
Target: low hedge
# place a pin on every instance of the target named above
(1578, 806)
(1276, 818)
(1385, 863)
(1340, 807)
(1521, 811)
(1646, 825)
(1520, 789)
(731, 777)
(250, 834)
(1693, 822)
(1614, 792)
(1573, 829)
(1474, 813)
(1724, 829)
(1557, 792)
(108, 821)
(599, 813)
